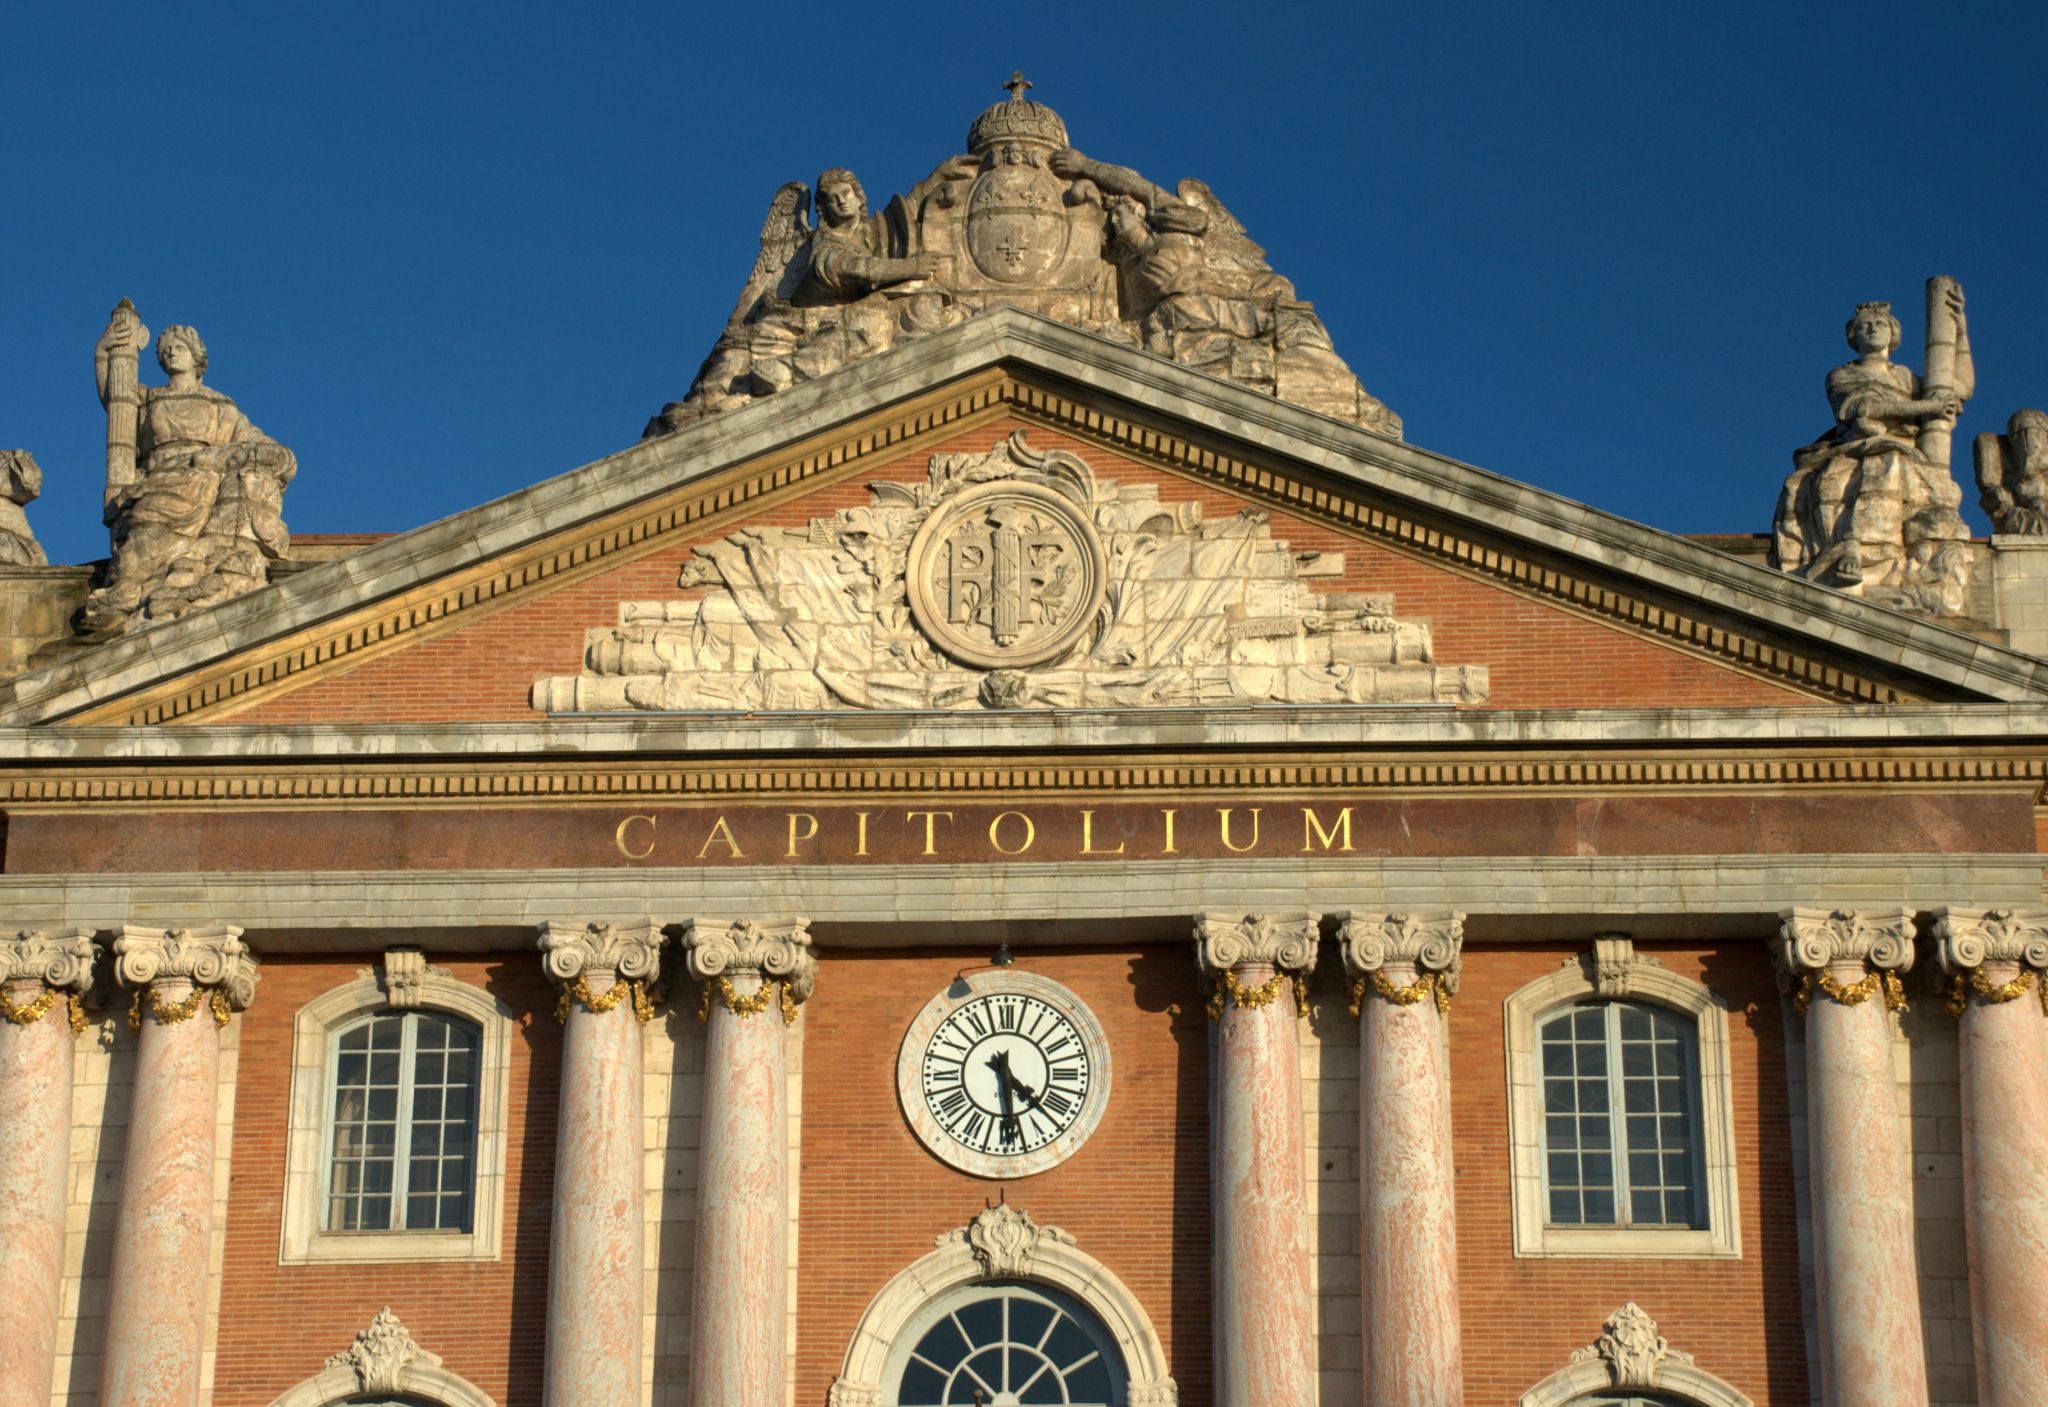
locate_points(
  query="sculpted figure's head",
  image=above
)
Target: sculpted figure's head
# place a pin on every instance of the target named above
(840, 197)
(178, 347)
(2028, 431)
(1873, 329)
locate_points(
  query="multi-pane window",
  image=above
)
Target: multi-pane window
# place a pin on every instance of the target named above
(1621, 1117)
(402, 1155)
(1011, 1343)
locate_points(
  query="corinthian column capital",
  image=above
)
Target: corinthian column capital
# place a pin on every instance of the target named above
(212, 959)
(61, 959)
(721, 948)
(1421, 948)
(1285, 942)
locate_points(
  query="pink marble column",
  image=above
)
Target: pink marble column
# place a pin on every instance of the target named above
(1999, 959)
(1264, 1312)
(1865, 1273)
(41, 975)
(596, 1253)
(186, 984)
(1404, 968)
(755, 974)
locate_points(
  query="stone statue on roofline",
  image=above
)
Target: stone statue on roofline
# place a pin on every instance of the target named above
(195, 493)
(1870, 507)
(21, 481)
(1020, 219)
(2012, 475)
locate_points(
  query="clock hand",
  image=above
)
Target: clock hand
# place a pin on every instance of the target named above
(999, 1062)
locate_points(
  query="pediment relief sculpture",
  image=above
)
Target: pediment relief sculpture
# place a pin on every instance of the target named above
(195, 492)
(1008, 579)
(1871, 507)
(1021, 218)
(2012, 475)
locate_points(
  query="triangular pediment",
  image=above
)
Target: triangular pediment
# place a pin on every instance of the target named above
(1002, 371)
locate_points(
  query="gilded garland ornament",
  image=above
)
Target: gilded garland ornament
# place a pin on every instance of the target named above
(1997, 994)
(1851, 993)
(643, 1005)
(30, 1012)
(1229, 988)
(172, 1013)
(1429, 984)
(744, 1007)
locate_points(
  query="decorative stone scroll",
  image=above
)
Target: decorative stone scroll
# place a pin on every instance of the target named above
(1226, 942)
(219, 967)
(1021, 219)
(1966, 940)
(21, 482)
(1008, 579)
(718, 948)
(2012, 475)
(1005, 1240)
(1423, 949)
(628, 953)
(195, 493)
(1871, 507)
(60, 961)
(1814, 943)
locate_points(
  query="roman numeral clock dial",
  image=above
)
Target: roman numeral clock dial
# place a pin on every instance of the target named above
(1004, 1074)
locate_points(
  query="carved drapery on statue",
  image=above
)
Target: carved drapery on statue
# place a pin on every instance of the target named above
(195, 493)
(2012, 475)
(1021, 219)
(21, 482)
(1008, 579)
(1871, 507)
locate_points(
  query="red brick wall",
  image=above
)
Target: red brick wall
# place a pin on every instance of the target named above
(1541, 657)
(1522, 1318)
(1136, 1197)
(278, 1323)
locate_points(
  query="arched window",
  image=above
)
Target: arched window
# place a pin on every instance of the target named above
(401, 1154)
(1621, 1116)
(1620, 1107)
(400, 1104)
(1008, 1343)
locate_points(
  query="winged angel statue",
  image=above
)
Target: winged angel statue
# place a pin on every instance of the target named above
(1025, 220)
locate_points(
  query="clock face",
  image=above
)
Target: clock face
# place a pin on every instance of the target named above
(1004, 1074)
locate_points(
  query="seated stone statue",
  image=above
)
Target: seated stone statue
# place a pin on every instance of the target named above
(196, 508)
(21, 481)
(1865, 509)
(2012, 475)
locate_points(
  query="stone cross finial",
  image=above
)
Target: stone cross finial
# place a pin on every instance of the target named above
(718, 948)
(213, 957)
(1017, 85)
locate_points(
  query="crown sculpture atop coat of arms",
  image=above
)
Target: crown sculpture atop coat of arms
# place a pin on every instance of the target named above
(1021, 219)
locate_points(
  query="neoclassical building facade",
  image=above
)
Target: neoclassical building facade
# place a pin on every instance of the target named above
(1035, 856)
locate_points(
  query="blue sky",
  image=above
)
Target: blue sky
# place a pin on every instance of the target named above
(445, 251)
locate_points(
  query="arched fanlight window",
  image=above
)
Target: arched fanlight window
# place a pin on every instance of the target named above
(1007, 1344)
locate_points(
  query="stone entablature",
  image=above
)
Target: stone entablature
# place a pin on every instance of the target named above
(1011, 579)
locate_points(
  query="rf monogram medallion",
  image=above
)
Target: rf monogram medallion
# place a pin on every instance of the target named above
(1006, 574)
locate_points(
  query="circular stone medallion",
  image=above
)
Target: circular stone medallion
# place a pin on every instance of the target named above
(1004, 1074)
(1006, 574)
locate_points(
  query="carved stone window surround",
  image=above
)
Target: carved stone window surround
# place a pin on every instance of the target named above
(1587, 979)
(302, 1240)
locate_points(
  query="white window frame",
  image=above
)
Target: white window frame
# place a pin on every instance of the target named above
(1647, 981)
(308, 1144)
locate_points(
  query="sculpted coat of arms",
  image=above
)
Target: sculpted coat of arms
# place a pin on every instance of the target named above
(1012, 578)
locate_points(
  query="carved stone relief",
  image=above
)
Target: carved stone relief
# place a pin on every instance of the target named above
(1634, 1352)
(21, 482)
(195, 493)
(1020, 219)
(2012, 475)
(1871, 507)
(1008, 579)
(383, 1355)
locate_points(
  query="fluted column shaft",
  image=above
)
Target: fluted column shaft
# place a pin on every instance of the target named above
(1404, 969)
(1264, 1311)
(187, 982)
(596, 1253)
(754, 975)
(1845, 964)
(1997, 959)
(41, 975)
